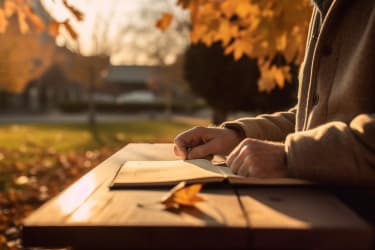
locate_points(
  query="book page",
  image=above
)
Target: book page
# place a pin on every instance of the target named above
(154, 173)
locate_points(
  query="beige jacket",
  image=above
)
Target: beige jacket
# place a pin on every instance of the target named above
(330, 135)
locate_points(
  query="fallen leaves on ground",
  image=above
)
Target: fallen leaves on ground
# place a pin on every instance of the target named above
(182, 195)
(31, 175)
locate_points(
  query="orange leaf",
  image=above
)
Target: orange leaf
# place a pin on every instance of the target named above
(278, 76)
(10, 8)
(227, 7)
(245, 8)
(165, 21)
(70, 29)
(240, 47)
(36, 20)
(182, 195)
(281, 42)
(226, 32)
(197, 33)
(3, 22)
(22, 22)
(266, 82)
(183, 3)
(78, 14)
(53, 28)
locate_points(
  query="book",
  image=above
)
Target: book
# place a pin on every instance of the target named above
(169, 173)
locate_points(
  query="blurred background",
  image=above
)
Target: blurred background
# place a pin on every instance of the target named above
(80, 79)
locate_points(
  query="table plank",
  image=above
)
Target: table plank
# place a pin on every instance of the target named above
(302, 217)
(116, 217)
(60, 207)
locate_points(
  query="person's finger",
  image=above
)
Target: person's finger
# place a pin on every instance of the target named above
(246, 166)
(233, 155)
(180, 151)
(204, 150)
(191, 137)
(184, 141)
(240, 157)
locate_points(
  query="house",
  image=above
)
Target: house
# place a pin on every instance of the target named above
(129, 83)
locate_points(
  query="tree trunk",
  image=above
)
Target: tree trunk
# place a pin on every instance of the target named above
(219, 116)
(168, 105)
(91, 101)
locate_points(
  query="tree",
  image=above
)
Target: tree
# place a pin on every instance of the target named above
(144, 44)
(25, 50)
(29, 21)
(24, 57)
(168, 81)
(227, 85)
(259, 29)
(87, 70)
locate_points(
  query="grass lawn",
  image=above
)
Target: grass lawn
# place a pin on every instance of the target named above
(68, 137)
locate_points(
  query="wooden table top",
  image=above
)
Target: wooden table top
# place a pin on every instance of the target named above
(90, 215)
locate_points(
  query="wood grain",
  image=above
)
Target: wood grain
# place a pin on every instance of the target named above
(89, 215)
(88, 210)
(302, 217)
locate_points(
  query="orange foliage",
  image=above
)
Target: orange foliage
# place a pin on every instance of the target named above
(70, 29)
(53, 28)
(164, 22)
(254, 28)
(76, 13)
(27, 18)
(24, 57)
(182, 195)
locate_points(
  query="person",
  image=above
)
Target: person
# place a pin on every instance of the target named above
(329, 136)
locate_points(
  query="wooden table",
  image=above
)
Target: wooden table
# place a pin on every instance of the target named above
(89, 215)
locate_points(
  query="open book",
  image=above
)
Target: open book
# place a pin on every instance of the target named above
(168, 173)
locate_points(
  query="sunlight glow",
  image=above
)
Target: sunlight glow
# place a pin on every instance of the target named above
(77, 194)
(57, 9)
(83, 214)
(119, 23)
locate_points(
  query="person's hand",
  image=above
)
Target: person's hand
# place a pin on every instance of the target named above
(258, 159)
(202, 142)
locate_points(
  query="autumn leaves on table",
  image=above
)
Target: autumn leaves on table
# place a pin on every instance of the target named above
(180, 196)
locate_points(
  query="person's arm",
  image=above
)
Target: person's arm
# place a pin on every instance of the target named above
(335, 152)
(272, 127)
(200, 142)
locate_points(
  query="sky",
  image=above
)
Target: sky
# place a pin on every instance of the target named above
(115, 15)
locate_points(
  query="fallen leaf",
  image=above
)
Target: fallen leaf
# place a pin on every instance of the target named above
(22, 180)
(182, 195)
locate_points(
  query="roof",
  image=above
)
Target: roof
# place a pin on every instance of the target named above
(129, 74)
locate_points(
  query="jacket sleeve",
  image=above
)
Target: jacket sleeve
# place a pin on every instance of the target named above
(273, 127)
(335, 152)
